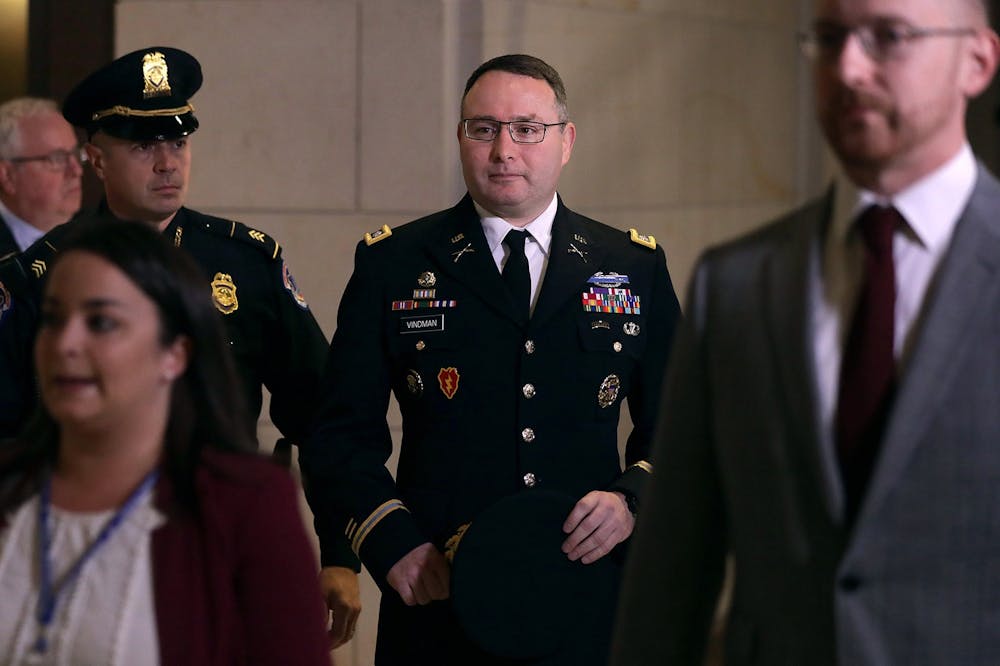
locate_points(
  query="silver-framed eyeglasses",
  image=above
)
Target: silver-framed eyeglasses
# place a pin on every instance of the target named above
(521, 131)
(57, 160)
(881, 40)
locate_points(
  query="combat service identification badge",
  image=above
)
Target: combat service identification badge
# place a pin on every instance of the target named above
(224, 293)
(154, 74)
(608, 391)
(414, 383)
(448, 381)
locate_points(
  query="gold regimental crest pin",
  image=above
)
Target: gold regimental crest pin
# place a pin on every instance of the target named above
(224, 293)
(154, 75)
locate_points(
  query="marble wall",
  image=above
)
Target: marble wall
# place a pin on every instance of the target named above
(323, 119)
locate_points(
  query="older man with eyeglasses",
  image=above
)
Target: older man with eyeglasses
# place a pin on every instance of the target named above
(830, 417)
(40, 171)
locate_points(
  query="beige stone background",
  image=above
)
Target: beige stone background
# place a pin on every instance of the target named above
(323, 119)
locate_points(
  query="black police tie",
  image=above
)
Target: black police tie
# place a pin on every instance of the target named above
(515, 273)
(867, 374)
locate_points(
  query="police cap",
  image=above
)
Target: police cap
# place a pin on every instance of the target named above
(141, 96)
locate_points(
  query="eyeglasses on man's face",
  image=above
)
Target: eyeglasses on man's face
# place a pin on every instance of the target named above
(57, 160)
(521, 131)
(881, 40)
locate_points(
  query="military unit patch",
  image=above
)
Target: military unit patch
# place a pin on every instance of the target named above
(292, 287)
(448, 381)
(224, 293)
(611, 301)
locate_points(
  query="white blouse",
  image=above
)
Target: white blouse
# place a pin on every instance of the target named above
(105, 616)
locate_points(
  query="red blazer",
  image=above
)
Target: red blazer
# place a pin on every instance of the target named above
(237, 584)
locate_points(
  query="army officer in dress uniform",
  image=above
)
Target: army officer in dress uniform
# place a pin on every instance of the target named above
(138, 120)
(510, 330)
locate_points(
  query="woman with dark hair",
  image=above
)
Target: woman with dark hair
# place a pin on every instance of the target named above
(136, 524)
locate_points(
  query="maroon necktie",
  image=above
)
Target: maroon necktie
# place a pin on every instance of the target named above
(868, 369)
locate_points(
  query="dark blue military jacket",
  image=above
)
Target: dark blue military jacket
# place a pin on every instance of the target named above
(274, 337)
(490, 406)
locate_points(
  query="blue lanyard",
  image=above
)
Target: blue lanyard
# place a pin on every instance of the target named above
(49, 591)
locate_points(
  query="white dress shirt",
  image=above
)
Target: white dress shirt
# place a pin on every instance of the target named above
(24, 234)
(536, 245)
(931, 208)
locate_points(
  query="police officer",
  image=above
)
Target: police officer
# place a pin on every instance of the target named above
(510, 330)
(138, 120)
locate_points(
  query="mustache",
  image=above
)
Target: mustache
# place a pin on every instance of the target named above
(849, 98)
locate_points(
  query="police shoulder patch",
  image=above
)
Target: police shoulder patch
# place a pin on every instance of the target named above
(642, 239)
(373, 237)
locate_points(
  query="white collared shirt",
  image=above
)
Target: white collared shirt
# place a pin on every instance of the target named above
(931, 208)
(24, 234)
(536, 245)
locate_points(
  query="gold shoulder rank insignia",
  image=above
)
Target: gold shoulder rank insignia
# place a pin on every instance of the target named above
(642, 239)
(224, 293)
(380, 234)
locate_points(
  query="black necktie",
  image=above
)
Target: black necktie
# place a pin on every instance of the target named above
(515, 273)
(868, 368)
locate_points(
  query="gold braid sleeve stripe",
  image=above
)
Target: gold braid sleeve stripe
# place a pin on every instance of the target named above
(126, 111)
(373, 519)
(644, 466)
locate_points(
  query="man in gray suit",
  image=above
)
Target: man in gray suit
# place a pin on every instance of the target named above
(831, 417)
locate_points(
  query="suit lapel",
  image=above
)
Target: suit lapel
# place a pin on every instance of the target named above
(460, 251)
(574, 255)
(964, 291)
(789, 272)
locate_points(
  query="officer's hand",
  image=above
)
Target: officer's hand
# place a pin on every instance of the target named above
(343, 598)
(421, 576)
(599, 522)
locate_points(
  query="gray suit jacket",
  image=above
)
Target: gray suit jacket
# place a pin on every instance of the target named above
(742, 468)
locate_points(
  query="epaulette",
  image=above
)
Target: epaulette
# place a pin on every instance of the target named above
(642, 239)
(373, 237)
(242, 232)
(24, 271)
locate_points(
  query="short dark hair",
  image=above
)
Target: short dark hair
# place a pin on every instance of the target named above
(524, 65)
(206, 403)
